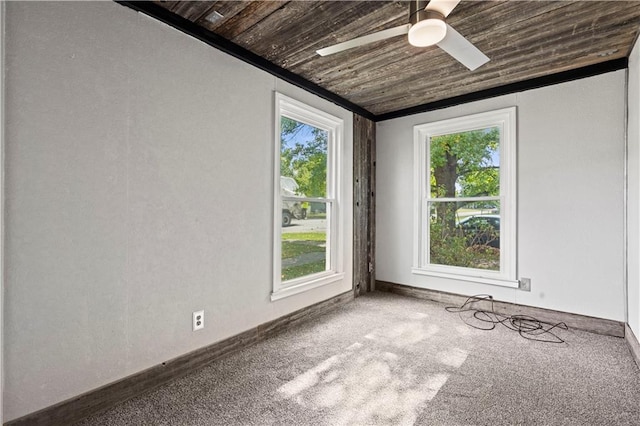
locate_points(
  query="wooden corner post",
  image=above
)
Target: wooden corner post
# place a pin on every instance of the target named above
(364, 183)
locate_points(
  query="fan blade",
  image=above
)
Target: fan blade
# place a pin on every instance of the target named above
(462, 49)
(359, 41)
(443, 6)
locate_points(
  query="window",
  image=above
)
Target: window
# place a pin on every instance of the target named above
(307, 238)
(465, 201)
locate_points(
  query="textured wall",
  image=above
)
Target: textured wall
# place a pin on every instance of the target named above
(570, 197)
(138, 189)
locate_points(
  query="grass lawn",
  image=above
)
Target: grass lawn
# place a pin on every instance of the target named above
(297, 254)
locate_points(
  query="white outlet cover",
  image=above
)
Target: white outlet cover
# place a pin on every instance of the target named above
(198, 320)
(525, 284)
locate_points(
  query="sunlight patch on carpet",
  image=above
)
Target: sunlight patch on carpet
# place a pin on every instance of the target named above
(364, 385)
(386, 378)
(404, 334)
(453, 357)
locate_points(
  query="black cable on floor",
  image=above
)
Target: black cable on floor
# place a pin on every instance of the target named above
(528, 327)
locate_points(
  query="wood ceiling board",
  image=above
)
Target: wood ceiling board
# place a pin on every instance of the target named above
(541, 56)
(528, 84)
(192, 10)
(197, 11)
(334, 67)
(564, 44)
(488, 84)
(440, 87)
(385, 15)
(228, 9)
(377, 17)
(500, 15)
(360, 67)
(277, 28)
(295, 44)
(481, 10)
(169, 5)
(254, 12)
(394, 101)
(475, 39)
(571, 20)
(523, 39)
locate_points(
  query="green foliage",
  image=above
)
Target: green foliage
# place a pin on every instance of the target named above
(461, 164)
(449, 246)
(303, 156)
(480, 182)
(298, 271)
(305, 236)
(317, 215)
(289, 126)
(291, 249)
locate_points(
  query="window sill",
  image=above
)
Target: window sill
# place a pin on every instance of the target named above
(306, 285)
(502, 282)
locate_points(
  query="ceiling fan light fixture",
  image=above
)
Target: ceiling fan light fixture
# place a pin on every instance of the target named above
(427, 32)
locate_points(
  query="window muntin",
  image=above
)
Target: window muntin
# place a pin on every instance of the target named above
(307, 249)
(465, 197)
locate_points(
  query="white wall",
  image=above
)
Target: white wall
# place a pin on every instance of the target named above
(570, 197)
(138, 189)
(633, 165)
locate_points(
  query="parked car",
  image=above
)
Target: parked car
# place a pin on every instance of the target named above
(481, 230)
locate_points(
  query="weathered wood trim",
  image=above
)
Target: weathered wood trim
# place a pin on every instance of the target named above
(364, 159)
(580, 322)
(634, 345)
(79, 407)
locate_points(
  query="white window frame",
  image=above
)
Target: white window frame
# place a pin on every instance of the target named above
(505, 121)
(334, 126)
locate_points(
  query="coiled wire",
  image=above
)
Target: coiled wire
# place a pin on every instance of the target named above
(528, 327)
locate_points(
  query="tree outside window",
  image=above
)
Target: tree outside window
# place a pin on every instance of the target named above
(465, 168)
(307, 244)
(303, 171)
(465, 198)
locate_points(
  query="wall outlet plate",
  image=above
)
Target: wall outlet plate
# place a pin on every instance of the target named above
(524, 284)
(198, 320)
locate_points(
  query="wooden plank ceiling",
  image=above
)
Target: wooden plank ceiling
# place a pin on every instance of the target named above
(523, 39)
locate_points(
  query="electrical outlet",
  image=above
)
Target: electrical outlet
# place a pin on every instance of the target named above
(525, 284)
(198, 320)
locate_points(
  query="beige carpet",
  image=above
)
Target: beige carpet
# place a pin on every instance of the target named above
(389, 360)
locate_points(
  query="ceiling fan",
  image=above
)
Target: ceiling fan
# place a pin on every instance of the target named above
(427, 27)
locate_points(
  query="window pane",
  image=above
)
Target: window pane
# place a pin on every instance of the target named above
(308, 247)
(465, 164)
(465, 234)
(304, 243)
(303, 170)
(303, 158)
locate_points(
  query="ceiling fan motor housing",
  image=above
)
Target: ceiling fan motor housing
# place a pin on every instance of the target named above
(427, 26)
(423, 15)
